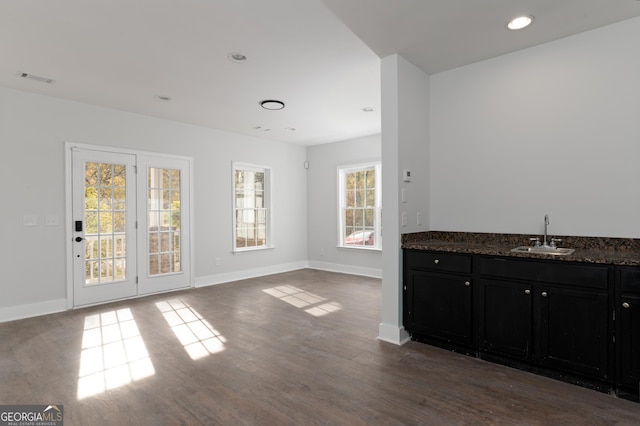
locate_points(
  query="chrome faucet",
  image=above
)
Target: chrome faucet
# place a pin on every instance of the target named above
(546, 223)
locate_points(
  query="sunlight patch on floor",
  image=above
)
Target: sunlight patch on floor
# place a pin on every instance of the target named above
(311, 303)
(113, 353)
(194, 332)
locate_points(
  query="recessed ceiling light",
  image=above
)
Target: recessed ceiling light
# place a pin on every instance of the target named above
(162, 98)
(236, 57)
(520, 22)
(272, 104)
(290, 129)
(368, 109)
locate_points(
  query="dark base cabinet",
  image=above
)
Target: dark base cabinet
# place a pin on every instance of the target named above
(556, 318)
(441, 306)
(506, 320)
(575, 335)
(628, 333)
(438, 297)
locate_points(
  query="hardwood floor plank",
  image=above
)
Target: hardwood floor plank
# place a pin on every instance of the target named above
(268, 357)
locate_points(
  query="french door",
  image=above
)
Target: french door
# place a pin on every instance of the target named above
(130, 224)
(163, 231)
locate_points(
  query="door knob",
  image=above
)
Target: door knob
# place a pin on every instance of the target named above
(78, 239)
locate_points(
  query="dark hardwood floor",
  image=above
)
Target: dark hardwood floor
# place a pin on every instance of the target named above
(297, 348)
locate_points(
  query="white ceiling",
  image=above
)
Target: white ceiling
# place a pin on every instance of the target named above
(438, 35)
(121, 53)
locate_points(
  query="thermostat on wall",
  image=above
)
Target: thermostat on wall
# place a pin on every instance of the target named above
(406, 176)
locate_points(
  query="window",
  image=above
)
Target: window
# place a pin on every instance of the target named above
(360, 206)
(251, 207)
(163, 220)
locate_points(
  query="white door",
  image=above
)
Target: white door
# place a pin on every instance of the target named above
(131, 229)
(104, 221)
(163, 231)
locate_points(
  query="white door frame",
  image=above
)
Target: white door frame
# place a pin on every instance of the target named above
(69, 225)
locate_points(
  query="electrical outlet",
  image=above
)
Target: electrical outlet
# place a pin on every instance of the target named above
(217, 261)
(404, 218)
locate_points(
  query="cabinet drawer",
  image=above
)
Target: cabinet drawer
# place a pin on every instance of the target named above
(630, 280)
(592, 276)
(438, 261)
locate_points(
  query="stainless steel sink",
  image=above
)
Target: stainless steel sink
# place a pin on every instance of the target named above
(552, 251)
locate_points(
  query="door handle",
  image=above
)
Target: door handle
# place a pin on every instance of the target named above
(78, 239)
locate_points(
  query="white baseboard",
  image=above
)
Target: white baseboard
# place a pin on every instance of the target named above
(345, 269)
(393, 334)
(249, 273)
(12, 313)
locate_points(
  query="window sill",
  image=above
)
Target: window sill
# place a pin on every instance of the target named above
(251, 249)
(365, 248)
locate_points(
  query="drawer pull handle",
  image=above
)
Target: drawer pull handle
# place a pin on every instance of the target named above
(626, 305)
(544, 294)
(527, 291)
(436, 261)
(467, 283)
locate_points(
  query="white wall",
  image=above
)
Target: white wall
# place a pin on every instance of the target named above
(405, 141)
(322, 202)
(33, 129)
(551, 129)
(413, 147)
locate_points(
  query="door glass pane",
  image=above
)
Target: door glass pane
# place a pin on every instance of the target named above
(104, 218)
(164, 220)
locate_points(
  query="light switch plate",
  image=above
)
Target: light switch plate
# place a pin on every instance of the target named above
(51, 220)
(30, 220)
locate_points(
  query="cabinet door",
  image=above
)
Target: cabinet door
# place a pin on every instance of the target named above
(440, 306)
(629, 341)
(574, 331)
(506, 318)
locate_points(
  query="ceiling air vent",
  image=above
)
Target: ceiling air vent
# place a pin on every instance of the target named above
(35, 77)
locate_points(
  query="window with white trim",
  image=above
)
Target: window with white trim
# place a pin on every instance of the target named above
(251, 207)
(360, 206)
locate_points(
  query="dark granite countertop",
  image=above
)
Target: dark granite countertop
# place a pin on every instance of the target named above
(612, 251)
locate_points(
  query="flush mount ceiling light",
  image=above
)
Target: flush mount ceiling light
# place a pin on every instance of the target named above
(237, 57)
(272, 104)
(520, 22)
(162, 98)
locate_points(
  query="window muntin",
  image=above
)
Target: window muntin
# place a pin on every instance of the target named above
(360, 206)
(251, 209)
(164, 220)
(104, 218)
